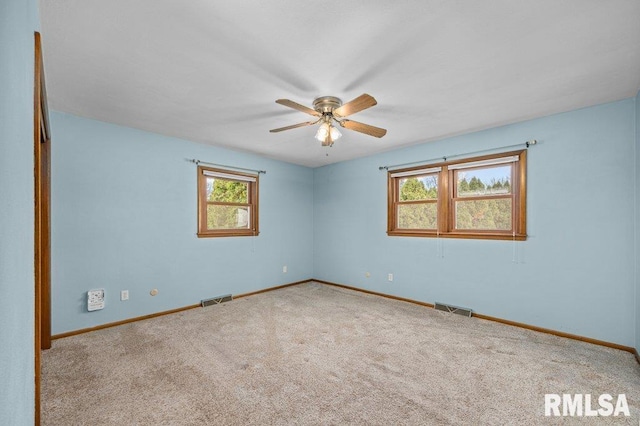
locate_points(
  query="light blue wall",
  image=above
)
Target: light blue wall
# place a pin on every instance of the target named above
(18, 20)
(124, 218)
(575, 273)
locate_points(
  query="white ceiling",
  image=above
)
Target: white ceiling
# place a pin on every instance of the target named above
(210, 71)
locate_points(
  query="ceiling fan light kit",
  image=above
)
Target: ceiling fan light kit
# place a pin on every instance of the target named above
(329, 109)
(327, 134)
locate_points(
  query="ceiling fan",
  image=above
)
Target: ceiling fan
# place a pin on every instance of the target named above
(329, 109)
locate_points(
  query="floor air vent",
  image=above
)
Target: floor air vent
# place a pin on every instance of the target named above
(216, 300)
(453, 309)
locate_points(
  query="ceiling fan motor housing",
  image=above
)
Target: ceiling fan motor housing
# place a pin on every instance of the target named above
(326, 104)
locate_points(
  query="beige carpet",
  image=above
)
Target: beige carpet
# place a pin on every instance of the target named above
(315, 354)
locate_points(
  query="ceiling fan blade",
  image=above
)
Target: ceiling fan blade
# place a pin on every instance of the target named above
(293, 126)
(295, 105)
(358, 104)
(364, 128)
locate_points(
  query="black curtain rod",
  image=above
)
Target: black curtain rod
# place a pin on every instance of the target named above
(527, 144)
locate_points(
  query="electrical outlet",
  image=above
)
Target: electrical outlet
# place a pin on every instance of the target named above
(124, 295)
(390, 278)
(284, 269)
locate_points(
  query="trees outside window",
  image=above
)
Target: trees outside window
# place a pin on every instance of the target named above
(418, 202)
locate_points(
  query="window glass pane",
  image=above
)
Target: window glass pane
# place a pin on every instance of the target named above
(418, 216)
(227, 217)
(484, 214)
(227, 191)
(417, 188)
(485, 181)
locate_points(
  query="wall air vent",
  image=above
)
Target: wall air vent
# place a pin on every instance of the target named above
(216, 300)
(453, 309)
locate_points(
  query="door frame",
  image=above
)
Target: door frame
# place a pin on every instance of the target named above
(42, 218)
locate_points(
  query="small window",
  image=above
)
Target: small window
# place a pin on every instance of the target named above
(227, 203)
(483, 197)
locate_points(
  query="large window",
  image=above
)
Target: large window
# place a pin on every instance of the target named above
(227, 203)
(482, 197)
